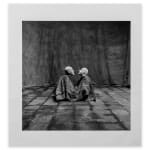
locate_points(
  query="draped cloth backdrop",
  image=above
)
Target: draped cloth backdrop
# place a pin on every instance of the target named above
(101, 46)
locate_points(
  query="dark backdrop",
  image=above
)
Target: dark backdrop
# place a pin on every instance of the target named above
(102, 47)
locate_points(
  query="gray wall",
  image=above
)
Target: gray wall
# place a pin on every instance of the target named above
(102, 47)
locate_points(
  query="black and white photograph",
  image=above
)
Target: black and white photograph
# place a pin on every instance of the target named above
(76, 75)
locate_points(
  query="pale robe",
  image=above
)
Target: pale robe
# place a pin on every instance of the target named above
(85, 88)
(64, 89)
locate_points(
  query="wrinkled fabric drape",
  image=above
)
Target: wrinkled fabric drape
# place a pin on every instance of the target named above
(102, 47)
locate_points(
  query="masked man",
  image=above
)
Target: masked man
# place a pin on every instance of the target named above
(85, 86)
(65, 89)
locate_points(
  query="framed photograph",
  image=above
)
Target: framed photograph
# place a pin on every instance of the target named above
(74, 75)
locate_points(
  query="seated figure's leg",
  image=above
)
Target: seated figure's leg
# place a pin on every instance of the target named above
(54, 94)
(92, 94)
(83, 95)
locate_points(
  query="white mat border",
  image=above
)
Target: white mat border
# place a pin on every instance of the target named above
(70, 12)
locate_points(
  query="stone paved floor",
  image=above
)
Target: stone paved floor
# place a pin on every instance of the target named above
(111, 111)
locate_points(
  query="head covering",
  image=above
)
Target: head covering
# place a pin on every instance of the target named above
(83, 71)
(69, 69)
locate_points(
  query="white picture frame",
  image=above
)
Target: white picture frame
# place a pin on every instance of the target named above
(72, 12)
